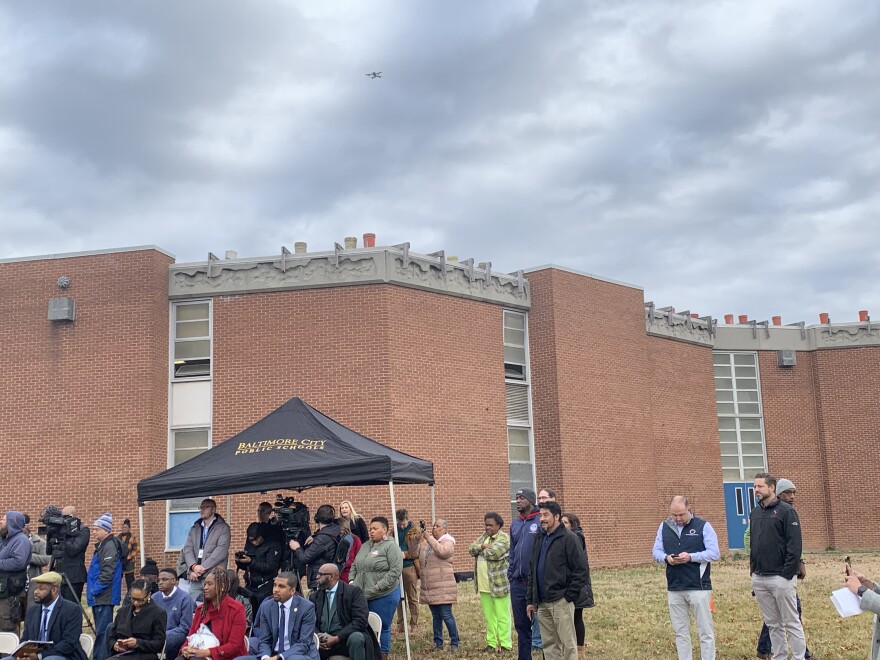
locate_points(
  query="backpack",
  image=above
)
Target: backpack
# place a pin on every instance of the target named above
(122, 549)
(343, 548)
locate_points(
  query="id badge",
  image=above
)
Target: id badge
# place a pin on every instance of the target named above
(201, 553)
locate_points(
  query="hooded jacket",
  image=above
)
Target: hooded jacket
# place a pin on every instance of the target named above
(15, 555)
(104, 584)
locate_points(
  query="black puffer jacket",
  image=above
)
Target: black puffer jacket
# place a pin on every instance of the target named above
(322, 550)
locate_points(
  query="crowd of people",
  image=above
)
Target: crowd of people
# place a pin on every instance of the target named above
(534, 579)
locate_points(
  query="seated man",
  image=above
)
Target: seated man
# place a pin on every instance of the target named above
(343, 626)
(178, 608)
(54, 619)
(287, 624)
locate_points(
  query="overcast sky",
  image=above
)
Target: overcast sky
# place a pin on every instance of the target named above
(723, 155)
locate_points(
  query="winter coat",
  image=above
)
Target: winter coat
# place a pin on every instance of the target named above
(322, 550)
(586, 598)
(377, 568)
(133, 550)
(870, 602)
(73, 555)
(523, 531)
(216, 550)
(565, 568)
(263, 567)
(104, 583)
(497, 558)
(351, 551)
(228, 623)
(437, 573)
(147, 627)
(39, 559)
(15, 556)
(358, 527)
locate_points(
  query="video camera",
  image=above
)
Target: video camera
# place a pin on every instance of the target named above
(56, 527)
(293, 518)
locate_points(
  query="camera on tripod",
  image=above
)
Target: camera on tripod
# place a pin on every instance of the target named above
(56, 527)
(293, 518)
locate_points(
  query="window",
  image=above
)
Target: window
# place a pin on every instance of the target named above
(520, 440)
(740, 420)
(185, 444)
(515, 363)
(191, 325)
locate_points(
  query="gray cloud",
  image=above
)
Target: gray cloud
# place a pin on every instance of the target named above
(723, 156)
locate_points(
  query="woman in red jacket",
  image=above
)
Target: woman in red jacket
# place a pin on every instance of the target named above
(223, 615)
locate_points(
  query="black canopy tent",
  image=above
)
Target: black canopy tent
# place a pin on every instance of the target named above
(293, 447)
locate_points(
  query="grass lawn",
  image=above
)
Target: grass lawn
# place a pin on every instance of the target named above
(631, 620)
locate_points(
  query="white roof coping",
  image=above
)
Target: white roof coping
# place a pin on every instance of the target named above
(580, 272)
(87, 253)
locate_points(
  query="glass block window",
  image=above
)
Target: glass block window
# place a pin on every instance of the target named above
(740, 417)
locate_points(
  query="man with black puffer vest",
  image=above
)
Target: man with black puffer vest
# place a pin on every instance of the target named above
(687, 545)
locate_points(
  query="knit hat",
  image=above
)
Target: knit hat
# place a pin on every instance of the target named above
(150, 567)
(528, 494)
(48, 578)
(105, 522)
(783, 485)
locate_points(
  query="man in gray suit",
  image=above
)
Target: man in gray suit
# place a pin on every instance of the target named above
(291, 614)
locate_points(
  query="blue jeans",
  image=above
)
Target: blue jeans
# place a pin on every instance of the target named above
(103, 618)
(521, 621)
(385, 607)
(439, 615)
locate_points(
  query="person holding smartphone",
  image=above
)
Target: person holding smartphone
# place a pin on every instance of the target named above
(688, 545)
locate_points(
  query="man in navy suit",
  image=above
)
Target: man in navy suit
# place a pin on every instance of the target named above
(53, 619)
(294, 617)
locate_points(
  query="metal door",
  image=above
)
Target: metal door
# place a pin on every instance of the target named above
(739, 498)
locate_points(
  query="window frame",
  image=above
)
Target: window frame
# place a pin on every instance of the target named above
(737, 416)
(170, 462)
(173, 340)
(524, 382)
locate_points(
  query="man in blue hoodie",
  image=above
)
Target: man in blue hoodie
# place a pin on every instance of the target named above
(523, 531)
(104, 586)
(15, 556)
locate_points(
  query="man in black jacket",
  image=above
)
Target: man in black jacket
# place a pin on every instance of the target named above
(774, 560)
(54, 619)
(69, 558)
(322, 548)
(260, 561)
(341, 615)
(557, 574)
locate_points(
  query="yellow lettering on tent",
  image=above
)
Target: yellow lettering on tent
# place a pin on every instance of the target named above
(284, 444)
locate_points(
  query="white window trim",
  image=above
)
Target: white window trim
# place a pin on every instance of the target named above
(738, 416)
(527, 383)
(172, 338)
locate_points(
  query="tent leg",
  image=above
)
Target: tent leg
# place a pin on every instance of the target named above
(404, 614)
(433, 509)
(141, 532)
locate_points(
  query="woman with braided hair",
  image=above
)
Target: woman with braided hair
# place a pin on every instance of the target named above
(223, 615)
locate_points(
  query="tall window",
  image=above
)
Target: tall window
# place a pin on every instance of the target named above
(185, 444)
(740, 419)
(520, 449)
(192, 340)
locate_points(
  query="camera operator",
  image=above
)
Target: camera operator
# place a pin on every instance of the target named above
(322, 549)
(260, 561)
(69, 555)
(15, 556)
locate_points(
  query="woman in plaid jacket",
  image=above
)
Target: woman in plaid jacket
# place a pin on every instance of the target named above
(491, 552)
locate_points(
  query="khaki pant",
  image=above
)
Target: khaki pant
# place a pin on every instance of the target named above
(411, 590)
(681, 604)
(556, 621)
(777, 600)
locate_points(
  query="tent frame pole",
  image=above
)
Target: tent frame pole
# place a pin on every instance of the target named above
(433, 508)
(404, 613)
(141, 533)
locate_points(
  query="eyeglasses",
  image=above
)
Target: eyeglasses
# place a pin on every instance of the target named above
(140, 600)
(206, 506)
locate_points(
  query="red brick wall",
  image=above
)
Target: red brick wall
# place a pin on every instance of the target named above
(791, 431)
(849, 419)
(594, 446)
(83, 405)
(685, 429)
(422, 373)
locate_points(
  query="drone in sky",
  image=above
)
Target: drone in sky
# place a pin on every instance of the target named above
(375, 74)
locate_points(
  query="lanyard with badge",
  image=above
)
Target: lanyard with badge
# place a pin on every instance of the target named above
(204, 539)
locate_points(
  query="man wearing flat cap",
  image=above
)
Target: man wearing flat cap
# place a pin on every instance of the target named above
(53, 619)
(523, 531)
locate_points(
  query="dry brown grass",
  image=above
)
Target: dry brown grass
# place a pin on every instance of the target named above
(630, 619)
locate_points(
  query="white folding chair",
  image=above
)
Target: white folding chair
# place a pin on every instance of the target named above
(8, 642)
(375, 623)
(87, 644)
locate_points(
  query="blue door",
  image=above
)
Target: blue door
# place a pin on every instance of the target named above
(739, 498)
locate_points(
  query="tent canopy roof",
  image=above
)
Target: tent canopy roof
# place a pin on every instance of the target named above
(295, 446)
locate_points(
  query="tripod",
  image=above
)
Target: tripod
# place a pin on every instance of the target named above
(52, 567)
